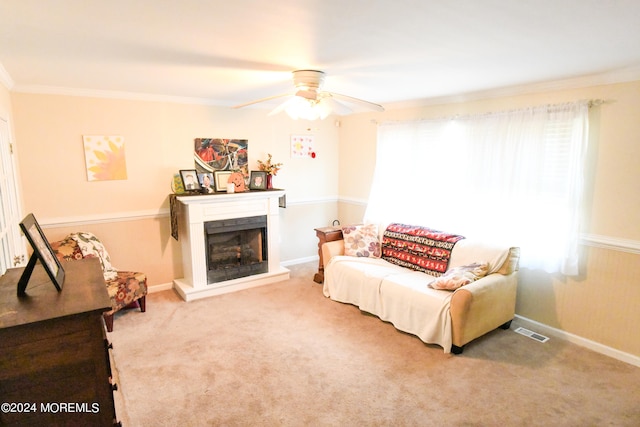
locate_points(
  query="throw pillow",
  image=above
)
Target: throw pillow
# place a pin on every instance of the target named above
(460, 276)
(361, 241)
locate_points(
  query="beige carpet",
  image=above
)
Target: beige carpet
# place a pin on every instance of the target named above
(284, 355)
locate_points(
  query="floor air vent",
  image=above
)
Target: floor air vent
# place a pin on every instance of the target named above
(532, 335)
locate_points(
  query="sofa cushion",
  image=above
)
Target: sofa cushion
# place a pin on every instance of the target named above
(412, 306)
(357, 280)
(418, 248)
(361, 241)
(460, 276)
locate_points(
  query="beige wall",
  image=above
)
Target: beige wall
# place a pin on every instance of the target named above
(602, 303)
(131, 216)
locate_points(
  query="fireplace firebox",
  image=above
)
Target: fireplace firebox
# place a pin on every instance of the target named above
(236, 247)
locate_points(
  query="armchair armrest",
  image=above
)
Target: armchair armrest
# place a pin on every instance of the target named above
(331, 249)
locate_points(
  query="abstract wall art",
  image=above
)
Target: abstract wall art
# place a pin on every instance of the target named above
(104, 157)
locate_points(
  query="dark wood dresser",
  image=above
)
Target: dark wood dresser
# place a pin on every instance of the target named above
(54, 356)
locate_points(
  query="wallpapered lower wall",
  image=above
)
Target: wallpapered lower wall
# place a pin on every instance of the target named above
(601, 304)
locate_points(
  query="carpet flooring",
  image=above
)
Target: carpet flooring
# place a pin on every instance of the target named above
(284, 355)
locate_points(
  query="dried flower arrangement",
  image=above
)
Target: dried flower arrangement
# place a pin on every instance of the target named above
(269, 167)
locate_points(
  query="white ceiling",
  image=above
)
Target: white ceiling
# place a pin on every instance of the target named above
(227, 52)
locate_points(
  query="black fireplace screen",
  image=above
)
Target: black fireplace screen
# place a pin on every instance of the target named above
(236, 248)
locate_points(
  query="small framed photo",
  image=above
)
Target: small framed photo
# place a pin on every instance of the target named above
(206, 182)
(258, 180)
(221, 178)
(190, 180)
(41, 251)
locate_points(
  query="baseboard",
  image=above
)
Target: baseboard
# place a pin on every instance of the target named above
(159, 288)
(575, 339)
(299, 260)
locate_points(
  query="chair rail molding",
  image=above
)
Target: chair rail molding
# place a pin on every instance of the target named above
(353, 201)
(311, 200)
(611, 243)
(102, 218)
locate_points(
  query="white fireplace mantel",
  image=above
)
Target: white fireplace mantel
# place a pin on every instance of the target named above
(195, 210)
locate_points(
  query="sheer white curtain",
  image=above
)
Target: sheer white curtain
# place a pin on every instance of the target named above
(512, 177)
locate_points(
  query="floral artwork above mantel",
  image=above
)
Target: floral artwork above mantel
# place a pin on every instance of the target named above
(104, 157)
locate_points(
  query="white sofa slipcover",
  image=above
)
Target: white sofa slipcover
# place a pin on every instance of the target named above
(403, 297)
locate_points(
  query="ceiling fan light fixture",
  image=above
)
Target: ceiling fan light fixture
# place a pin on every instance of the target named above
(308, 79)
(307, 109)
(310, 102)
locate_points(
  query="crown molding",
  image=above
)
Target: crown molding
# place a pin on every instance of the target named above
(624, 75)
(111, 94)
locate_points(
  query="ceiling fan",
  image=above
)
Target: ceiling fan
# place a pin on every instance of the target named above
(309, 101)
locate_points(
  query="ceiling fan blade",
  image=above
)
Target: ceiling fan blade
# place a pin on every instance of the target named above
(257, 101)
(337, 107)
(370, 105)
(310, 102)
(282, 106)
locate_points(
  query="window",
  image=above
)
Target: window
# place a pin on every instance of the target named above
(12, 247)
(513, 177)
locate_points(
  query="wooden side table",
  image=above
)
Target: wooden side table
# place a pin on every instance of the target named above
(325, 234)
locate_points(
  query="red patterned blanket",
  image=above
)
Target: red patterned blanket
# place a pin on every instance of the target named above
(418, 248)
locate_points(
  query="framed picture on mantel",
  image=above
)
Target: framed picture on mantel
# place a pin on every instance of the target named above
(221, 179)
(258, 180)
(190, 179)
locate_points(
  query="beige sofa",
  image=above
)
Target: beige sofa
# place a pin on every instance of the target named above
(405, 298)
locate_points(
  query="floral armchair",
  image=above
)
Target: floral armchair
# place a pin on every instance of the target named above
(126, 289)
